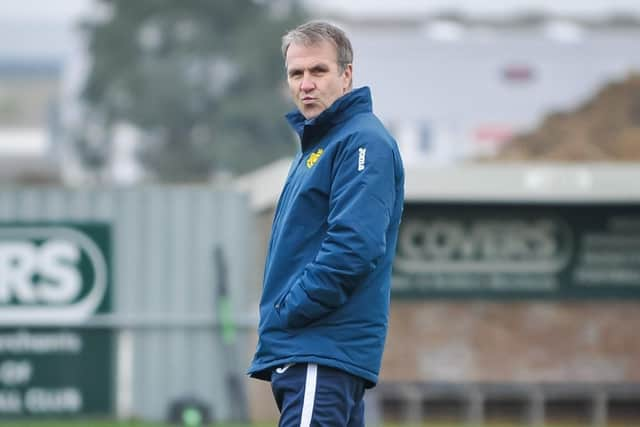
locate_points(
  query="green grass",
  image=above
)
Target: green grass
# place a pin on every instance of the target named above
(93, 423)
(79, 423)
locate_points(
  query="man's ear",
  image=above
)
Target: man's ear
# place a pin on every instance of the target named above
(347, 76)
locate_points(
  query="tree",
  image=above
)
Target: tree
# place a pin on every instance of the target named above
(201, 80)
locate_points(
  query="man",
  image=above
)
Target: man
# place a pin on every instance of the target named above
(324, 307)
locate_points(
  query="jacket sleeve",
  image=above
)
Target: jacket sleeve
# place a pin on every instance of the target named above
(360, 204)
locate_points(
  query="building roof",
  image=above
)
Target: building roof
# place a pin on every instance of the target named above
(525, 182)
(22, 169)
(264, 184)
(510, 183)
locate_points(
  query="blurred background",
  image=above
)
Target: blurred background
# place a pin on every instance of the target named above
(143, 149)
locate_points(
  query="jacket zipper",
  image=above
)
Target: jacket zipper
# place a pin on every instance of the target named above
(281, 202)
(285, 194)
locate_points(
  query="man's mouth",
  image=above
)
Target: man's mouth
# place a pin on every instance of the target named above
(308, 99)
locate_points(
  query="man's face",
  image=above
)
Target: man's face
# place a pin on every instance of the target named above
(314, 77)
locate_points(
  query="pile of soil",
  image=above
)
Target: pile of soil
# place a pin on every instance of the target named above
(605, 128)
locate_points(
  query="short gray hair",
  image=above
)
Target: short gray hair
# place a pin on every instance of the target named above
(314, 32)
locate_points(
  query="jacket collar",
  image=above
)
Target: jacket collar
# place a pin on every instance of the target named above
(348, 105)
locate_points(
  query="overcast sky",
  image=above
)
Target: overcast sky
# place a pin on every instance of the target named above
(42, 10)
(69, 10)
(481, 7)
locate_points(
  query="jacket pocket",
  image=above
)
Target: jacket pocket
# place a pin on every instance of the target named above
(274, 317)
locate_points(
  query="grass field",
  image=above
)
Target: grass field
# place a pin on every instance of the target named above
(143, 424)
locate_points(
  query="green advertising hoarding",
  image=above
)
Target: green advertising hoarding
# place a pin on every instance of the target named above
(53, 278)
(500, 250)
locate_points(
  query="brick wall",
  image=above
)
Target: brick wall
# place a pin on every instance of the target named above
(527, 341)
(502, 342)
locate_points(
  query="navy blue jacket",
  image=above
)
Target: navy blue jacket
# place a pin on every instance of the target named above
(327, 278)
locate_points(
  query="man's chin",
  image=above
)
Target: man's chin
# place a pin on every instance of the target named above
(311, 113)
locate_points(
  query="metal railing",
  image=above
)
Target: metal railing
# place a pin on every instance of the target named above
(476, 403)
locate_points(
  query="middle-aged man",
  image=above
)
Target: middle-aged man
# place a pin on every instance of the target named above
(325, 301)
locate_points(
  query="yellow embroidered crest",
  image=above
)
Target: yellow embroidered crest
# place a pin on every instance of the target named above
(313, 157)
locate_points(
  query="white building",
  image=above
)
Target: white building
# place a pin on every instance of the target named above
(450, 90)
(452, 80)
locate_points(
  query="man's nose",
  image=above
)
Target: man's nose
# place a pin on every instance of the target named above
(307, 84)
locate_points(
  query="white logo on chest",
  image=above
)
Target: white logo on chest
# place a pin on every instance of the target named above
(361, 154)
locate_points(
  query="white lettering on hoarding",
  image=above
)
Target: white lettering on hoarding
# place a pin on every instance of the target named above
(54, 263)
(483, 246)
(41, 284)
(15, 372)
(28, 342)
(62, 400)
(610, 257)
(17, 265)
(41, 401)
(10, 402)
